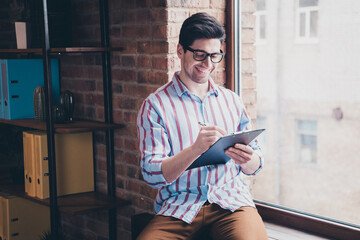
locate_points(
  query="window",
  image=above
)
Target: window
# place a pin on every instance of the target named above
(306, 141)
(260, 21)
(307, 20)
(261, 123)
(307, 99)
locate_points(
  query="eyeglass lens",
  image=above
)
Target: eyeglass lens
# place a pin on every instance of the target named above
(201, 56)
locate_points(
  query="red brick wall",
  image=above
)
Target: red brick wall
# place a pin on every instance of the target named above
(148, 30)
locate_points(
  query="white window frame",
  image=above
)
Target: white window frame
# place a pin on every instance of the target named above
(300, 132)
(259, 14)
(307, 11)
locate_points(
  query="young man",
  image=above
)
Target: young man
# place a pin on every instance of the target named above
(180, 121)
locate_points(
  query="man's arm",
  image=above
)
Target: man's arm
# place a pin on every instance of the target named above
(174, 166)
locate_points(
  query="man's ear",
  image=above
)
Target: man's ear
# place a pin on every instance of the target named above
(180, 51)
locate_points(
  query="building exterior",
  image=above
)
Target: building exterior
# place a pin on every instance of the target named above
(308, 79)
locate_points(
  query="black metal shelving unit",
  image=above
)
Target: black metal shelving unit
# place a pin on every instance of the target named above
(84, 202)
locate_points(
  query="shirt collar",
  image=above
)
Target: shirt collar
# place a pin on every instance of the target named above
(180, 87)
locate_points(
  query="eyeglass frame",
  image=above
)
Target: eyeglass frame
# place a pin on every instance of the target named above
(207, 54)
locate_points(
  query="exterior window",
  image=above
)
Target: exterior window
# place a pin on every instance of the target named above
(261, 123)
(307, 20)
(306, 141)
(260, 21)
(309, 96)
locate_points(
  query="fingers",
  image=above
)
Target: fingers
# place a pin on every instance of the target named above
(244, 148)
(213, 130)
(240, 153)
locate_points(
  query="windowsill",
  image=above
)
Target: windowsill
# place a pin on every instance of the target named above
(306, 223)
(279, 232)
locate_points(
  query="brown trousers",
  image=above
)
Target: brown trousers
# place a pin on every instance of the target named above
(245, 224)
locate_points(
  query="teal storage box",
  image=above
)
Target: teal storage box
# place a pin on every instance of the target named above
(19, 78)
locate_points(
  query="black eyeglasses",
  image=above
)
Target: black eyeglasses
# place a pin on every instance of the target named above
(200, 55)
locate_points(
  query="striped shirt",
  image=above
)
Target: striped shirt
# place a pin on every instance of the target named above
(168, 123)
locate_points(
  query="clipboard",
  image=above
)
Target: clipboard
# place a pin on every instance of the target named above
(216, 153)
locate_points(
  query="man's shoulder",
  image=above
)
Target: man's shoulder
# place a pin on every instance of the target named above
(158, 93)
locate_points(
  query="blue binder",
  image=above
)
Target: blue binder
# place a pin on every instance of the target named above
(2, 69)
(19, 78)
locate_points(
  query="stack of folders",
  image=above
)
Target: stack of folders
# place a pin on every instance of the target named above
(74, 163)
(21, 219)
(18, 80)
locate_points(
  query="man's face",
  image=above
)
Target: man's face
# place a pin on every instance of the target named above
(198, 71)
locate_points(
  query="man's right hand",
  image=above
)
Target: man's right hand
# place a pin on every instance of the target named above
(174, 166)
(208, 135)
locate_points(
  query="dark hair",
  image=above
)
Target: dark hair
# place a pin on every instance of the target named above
(198, 26)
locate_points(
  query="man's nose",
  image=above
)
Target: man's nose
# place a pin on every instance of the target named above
(207, 61)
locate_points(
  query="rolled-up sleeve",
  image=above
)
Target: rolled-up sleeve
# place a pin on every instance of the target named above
(153, 145)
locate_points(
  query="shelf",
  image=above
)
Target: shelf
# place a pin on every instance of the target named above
(29, 50)
(72, 204)
(73, 127)
(61, 50)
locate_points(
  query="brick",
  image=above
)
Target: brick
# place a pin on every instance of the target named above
(153, 47)
(248, 36)
(219, 4)
(248, 51)
(147, 190)
(248, 66)
(123, 17)
(248, 82)
(130, 116)
(116, 87)
(174, 30)
(248, 6)
(248, 20)
(131, 144)
(177, 15)
(173, 46)
(125, 4)
(132, 158)
(85, 85)
(173, 63)
(123, 102)
(144, 61)
(160, 32)
(124, 74)
(143, 4)
(132, 32)
(220, 16)
(128, 61)
(189, 3)
(160, 63)
(133, 185)
(152, 77)
(249, 97)
(143, 16)
(158, 15)
(129, 46)
(159, 3)
(115, 32)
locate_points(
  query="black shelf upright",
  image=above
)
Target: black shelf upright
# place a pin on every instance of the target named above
(54, 211)
(108, 108)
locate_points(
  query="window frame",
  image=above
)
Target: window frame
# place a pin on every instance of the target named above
(298, 133)
(307, 39)
(258, 14)
(272, 213)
